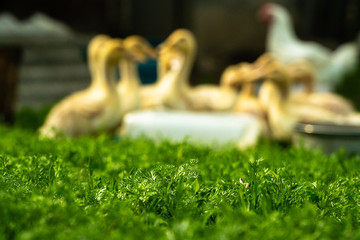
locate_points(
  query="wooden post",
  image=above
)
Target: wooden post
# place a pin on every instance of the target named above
(9, 64)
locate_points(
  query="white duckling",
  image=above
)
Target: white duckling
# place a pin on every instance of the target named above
(95, 108)
(137, 50)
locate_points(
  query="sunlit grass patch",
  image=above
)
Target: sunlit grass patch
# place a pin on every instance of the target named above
(105, 188)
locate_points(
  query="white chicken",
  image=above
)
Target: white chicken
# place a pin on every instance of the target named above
(331, 66)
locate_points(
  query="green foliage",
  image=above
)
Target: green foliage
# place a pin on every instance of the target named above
(31, 119)
(103, 188)
(349, 87)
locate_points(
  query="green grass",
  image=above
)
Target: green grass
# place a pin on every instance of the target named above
(133, 189)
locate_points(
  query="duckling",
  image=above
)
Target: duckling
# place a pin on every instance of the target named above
(95, 108)
(207, 97)
(183, 41)
(264, 60)
(303, 72)
(230, 76)
(94, 45)
(273, 100)
(282, 113)
(247, 101)
(202, 97)
(137, 50)
(165, 92)
(173, 70)
(243, 74)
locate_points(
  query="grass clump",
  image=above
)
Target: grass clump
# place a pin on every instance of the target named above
(103, 188)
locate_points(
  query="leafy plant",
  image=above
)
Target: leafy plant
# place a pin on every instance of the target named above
(104, 188)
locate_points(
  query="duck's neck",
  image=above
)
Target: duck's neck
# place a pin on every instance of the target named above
(104, 75)
(185, 71)
(309, 85)
(94, 69)
(161, 67)
(248, 90)
(129, 73)
(272, 97)
(280, 32)
(174, 77)
(280, 117)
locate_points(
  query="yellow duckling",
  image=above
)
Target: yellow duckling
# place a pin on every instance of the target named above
(264, 60)
(274, 101)
(93, 49)
(243, 75)
(173, 73)
(303, 72)
(137, 50)
(247, 101)
(203, 97)
(282, 113)
(95, 108)
(165, 92)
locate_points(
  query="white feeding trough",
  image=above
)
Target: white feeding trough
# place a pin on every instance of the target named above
(209, 129)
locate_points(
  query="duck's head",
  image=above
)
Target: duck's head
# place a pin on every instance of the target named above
(235, 76)
(301, 71)
(262, 66)
(271, 12)
(181, 40)
(275, 89)
(249, 73)
(95, 44)
(112, 51)
(277, 73)
(171, 59)
(139, 49)
(230, 77)
(264, 60)
(244, 72)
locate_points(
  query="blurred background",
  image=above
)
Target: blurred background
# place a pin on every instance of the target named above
(50, 58)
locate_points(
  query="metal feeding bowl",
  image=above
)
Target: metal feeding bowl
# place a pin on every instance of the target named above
(328, 137)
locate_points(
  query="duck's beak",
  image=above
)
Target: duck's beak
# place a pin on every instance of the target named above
(163, 47)
(256, 74)
(152, 52)
(264, 60)
(166, 46)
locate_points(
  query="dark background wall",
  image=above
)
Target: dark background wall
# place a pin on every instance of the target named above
(227, 31)
(115, 17)
(330, 18)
